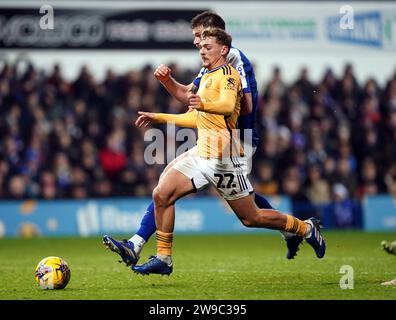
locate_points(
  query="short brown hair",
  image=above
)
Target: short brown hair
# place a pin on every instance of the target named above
(208, 19)
(221, 36)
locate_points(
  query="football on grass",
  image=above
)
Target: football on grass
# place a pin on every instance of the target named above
(52, 273)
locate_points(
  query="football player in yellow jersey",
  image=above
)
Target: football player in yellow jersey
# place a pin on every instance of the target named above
(215, 106)
(129, 250)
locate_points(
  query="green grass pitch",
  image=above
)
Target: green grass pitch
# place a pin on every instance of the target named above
(249, 266)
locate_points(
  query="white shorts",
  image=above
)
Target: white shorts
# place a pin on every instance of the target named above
(228, 176)
(187, 165)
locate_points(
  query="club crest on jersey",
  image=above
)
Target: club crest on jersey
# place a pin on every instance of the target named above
(208, 83)
(231, 83)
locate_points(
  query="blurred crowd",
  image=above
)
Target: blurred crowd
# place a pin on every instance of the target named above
(327, 141)
(322, 141)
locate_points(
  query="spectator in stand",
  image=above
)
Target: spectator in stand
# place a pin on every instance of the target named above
(291, 186)
(305, 86)
(370, 183)
(17, 187)
(265, 183)
(348, 86)
(102, 188)
(317, 188)
(62, 170)
(276, 87)
(345, 152)
(48, 190)
(329, 169)
(345, 176)
(4, 171)
(112, 157)
(342, 212)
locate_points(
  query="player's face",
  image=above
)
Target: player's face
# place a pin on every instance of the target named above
(212, 53)
(197, 31)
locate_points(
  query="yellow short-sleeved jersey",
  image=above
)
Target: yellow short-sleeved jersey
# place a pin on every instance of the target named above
(220, 91)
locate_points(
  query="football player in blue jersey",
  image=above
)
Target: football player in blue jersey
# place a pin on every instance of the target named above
(129, 250)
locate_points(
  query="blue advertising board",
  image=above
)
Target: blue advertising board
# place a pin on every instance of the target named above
(379, 213)
(117, 215)
(367, 30)
(94, 217)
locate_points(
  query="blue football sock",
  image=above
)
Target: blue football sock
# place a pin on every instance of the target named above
(147, 225)
(261, 202)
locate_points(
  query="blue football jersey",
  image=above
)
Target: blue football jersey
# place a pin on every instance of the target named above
(249, 85)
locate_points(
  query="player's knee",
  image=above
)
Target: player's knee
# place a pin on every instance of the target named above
(249, 222)
(160, 197)
(157, 196)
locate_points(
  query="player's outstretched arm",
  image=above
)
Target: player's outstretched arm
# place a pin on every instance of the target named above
(224, 106)
(175, 89)
(186, 120)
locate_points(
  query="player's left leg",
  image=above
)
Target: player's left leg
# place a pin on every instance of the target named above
(253, 217)
(293, 241)
(236, 190)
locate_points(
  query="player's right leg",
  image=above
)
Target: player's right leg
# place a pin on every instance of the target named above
(129, 250)
(183, 178)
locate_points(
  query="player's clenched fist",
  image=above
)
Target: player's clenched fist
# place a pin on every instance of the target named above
(162, 73)
(194, 101)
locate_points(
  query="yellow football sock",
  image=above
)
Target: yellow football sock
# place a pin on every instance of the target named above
(295, 226)
(164, 243)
